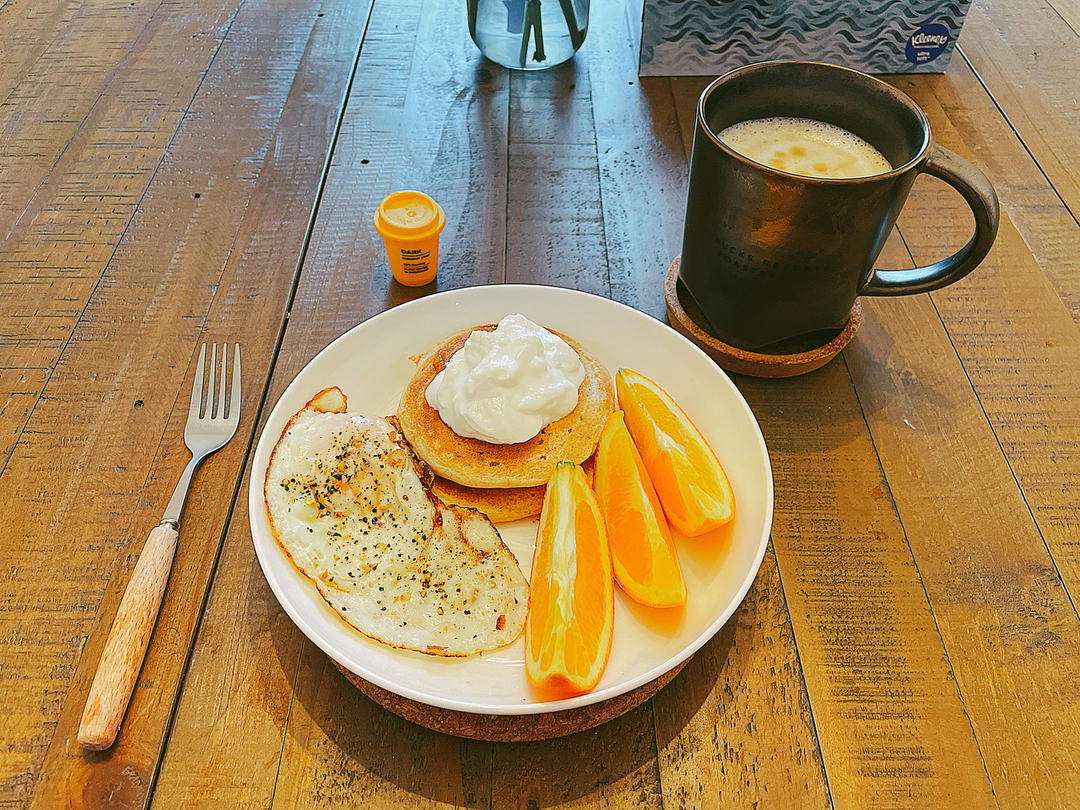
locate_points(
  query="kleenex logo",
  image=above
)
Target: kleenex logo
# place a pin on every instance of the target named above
(927, 43)
(921, 39)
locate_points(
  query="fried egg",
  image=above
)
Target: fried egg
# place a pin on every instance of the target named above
(351, 506)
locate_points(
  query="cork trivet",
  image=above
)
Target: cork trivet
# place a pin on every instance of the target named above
(509, 727)
(686, 319)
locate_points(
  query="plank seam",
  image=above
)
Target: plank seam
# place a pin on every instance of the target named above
(288, 717)
(1063, 18)
(802, 671)
(656, 754)
(119, 241)
(997, 440)
(506, 202)
(982, 83)
(248, 450)
(90, 110)
(918, 572)
(600, 194)
(682, 143)
(157, 449)
(281, 338)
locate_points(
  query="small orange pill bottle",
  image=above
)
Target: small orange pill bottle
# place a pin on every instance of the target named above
(410, 223)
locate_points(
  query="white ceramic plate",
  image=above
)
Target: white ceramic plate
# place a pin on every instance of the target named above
(371, 364)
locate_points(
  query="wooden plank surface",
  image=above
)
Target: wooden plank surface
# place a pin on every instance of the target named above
(1009, 630)
(555, 221)
(996, 544)
(27, 28)
(108, 433)
(717, 738)
(735, 726)
(1036, 208)
(891, 724)
(322, 732)
(84, 132)
(912, 638)
(1027, 53)
(641, 160)
(453, 108)
(1010, 321)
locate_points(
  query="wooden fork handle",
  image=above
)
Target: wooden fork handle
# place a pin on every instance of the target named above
(124, 650)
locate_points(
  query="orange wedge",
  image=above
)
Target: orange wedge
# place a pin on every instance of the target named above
(642, 552)
(571, 592)
(689, 480)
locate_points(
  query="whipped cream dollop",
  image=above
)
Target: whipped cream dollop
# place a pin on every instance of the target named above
(507, 385)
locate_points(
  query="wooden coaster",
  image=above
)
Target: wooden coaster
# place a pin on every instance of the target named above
(509, 727)
(686, 319)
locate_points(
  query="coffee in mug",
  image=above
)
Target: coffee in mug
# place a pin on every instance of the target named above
(774, 258)
(805, 147)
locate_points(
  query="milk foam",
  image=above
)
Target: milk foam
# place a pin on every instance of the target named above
(806, 147)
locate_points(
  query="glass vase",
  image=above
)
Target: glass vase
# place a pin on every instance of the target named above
(528, 34)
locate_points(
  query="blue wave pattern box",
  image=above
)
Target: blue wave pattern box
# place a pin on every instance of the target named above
(708, 37)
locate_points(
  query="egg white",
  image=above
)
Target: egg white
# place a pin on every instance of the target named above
(348, 503)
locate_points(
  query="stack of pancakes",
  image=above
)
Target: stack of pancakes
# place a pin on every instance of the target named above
(504, 481)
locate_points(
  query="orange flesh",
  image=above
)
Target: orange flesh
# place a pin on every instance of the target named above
(643, 554)
(690, 482)
(571, 596)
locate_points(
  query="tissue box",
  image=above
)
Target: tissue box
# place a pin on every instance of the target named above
(710, 37)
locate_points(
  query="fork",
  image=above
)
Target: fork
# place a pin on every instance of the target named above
(211, 422)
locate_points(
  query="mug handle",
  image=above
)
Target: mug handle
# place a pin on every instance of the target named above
(981, 198)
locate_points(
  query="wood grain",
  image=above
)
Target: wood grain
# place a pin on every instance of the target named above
(241, 676)
(60, 64)
(27, 27)
(555, 235)
(992, 562)
(912, 639)
(735, 728)
(641, 161)
(1019, 346)
(891, 723)
(210, 223)
(19, 390)
(1047, 226)
(876, 673)
(717, 739)
(613, 765)
(128, 638)
(1009, 629)
(92, 119)
(343, 750)
(455, 107)
(314, 764)
(82, 136)
(555, 223)
(1021, 52)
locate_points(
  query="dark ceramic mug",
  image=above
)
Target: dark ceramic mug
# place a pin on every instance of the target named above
(773, 258)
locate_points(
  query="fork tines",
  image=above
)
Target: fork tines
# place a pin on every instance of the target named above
(212, 404)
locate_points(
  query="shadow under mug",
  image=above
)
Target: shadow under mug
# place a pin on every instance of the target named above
(775, 259)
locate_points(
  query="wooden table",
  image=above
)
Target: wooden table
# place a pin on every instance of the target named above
(208, 168)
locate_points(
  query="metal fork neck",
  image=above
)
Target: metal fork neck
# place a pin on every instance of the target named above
(176, 503)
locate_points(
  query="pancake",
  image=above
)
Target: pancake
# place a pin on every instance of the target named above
(476, 463)
(500, 505)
